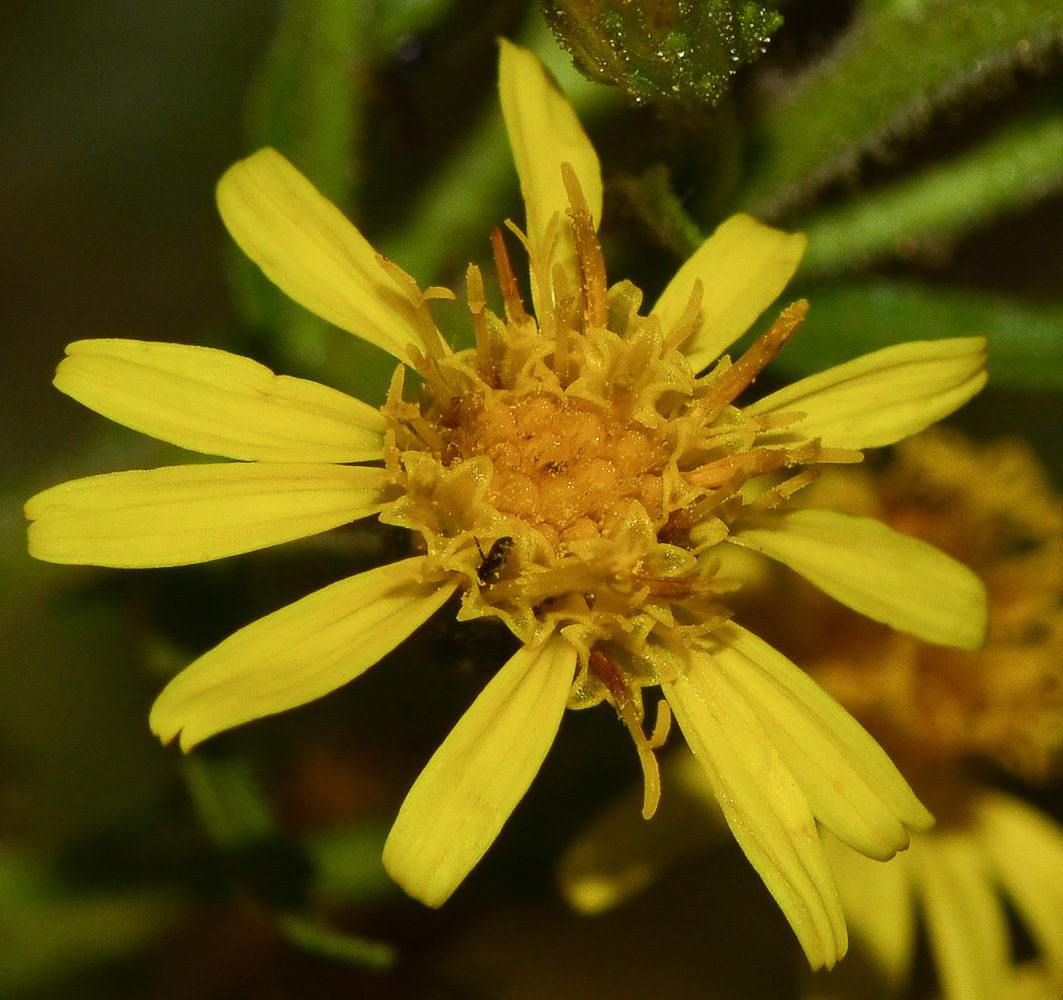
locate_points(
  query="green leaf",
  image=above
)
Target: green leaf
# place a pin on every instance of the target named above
(900, 61)
(1018, 165)
(347, 863)
(685, 50)
(305, 100)
(1025, 340)
(312, 936)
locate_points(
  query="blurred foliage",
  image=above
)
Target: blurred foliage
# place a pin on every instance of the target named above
(50, 928)
(307, 102)
(918, 142)
(280, 871)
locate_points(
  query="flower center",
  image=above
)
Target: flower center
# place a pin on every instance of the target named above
(564, 466)
(583, 438)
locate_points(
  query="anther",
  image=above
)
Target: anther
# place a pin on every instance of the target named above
(588, 253)
(752, 363)
(507, 281)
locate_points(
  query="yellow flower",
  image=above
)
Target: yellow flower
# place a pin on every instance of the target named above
(571, 475)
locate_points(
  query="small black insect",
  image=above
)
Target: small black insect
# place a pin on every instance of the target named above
(491, 566)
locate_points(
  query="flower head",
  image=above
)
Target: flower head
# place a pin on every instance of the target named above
(573, 475)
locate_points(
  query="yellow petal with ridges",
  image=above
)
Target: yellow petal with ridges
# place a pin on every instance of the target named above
(893, 578)
(852, 787)
(186, 514)
(310, 250)
(299, 653)
(742, 267)
(762, 802)
(881, 397)
(475, 779)
(218, 403)
(544, 132)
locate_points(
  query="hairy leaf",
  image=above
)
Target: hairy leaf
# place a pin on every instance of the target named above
(1016, 167)
(896, 65)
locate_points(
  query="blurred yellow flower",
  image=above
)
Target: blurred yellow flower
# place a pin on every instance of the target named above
(945, 714)
(571, 475)
(961, 880)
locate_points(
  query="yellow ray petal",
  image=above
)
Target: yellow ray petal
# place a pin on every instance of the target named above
(299, 653)
(742, 267)
(1027, 852)
(852, 787)
(544, 132)
(474, 780)
(893, 578)
(965, 919)
(311, 251)
(763, 804)
(219, 403)
(194, 513)
(881, 397)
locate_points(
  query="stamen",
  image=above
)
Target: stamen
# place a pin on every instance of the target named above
(651, 779)
(507, 282)
(588, 253)
(397, 387)
(539, 257)
(675, 589)
(651, 775)
(754, 462)
(661, 726)
(689, 319)
(426, 327)
(421, 429)
(629, 708)
(429, 371)
(476, 303)
(776, 421)
(752, 363)
(783, 491)
(564, 324)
